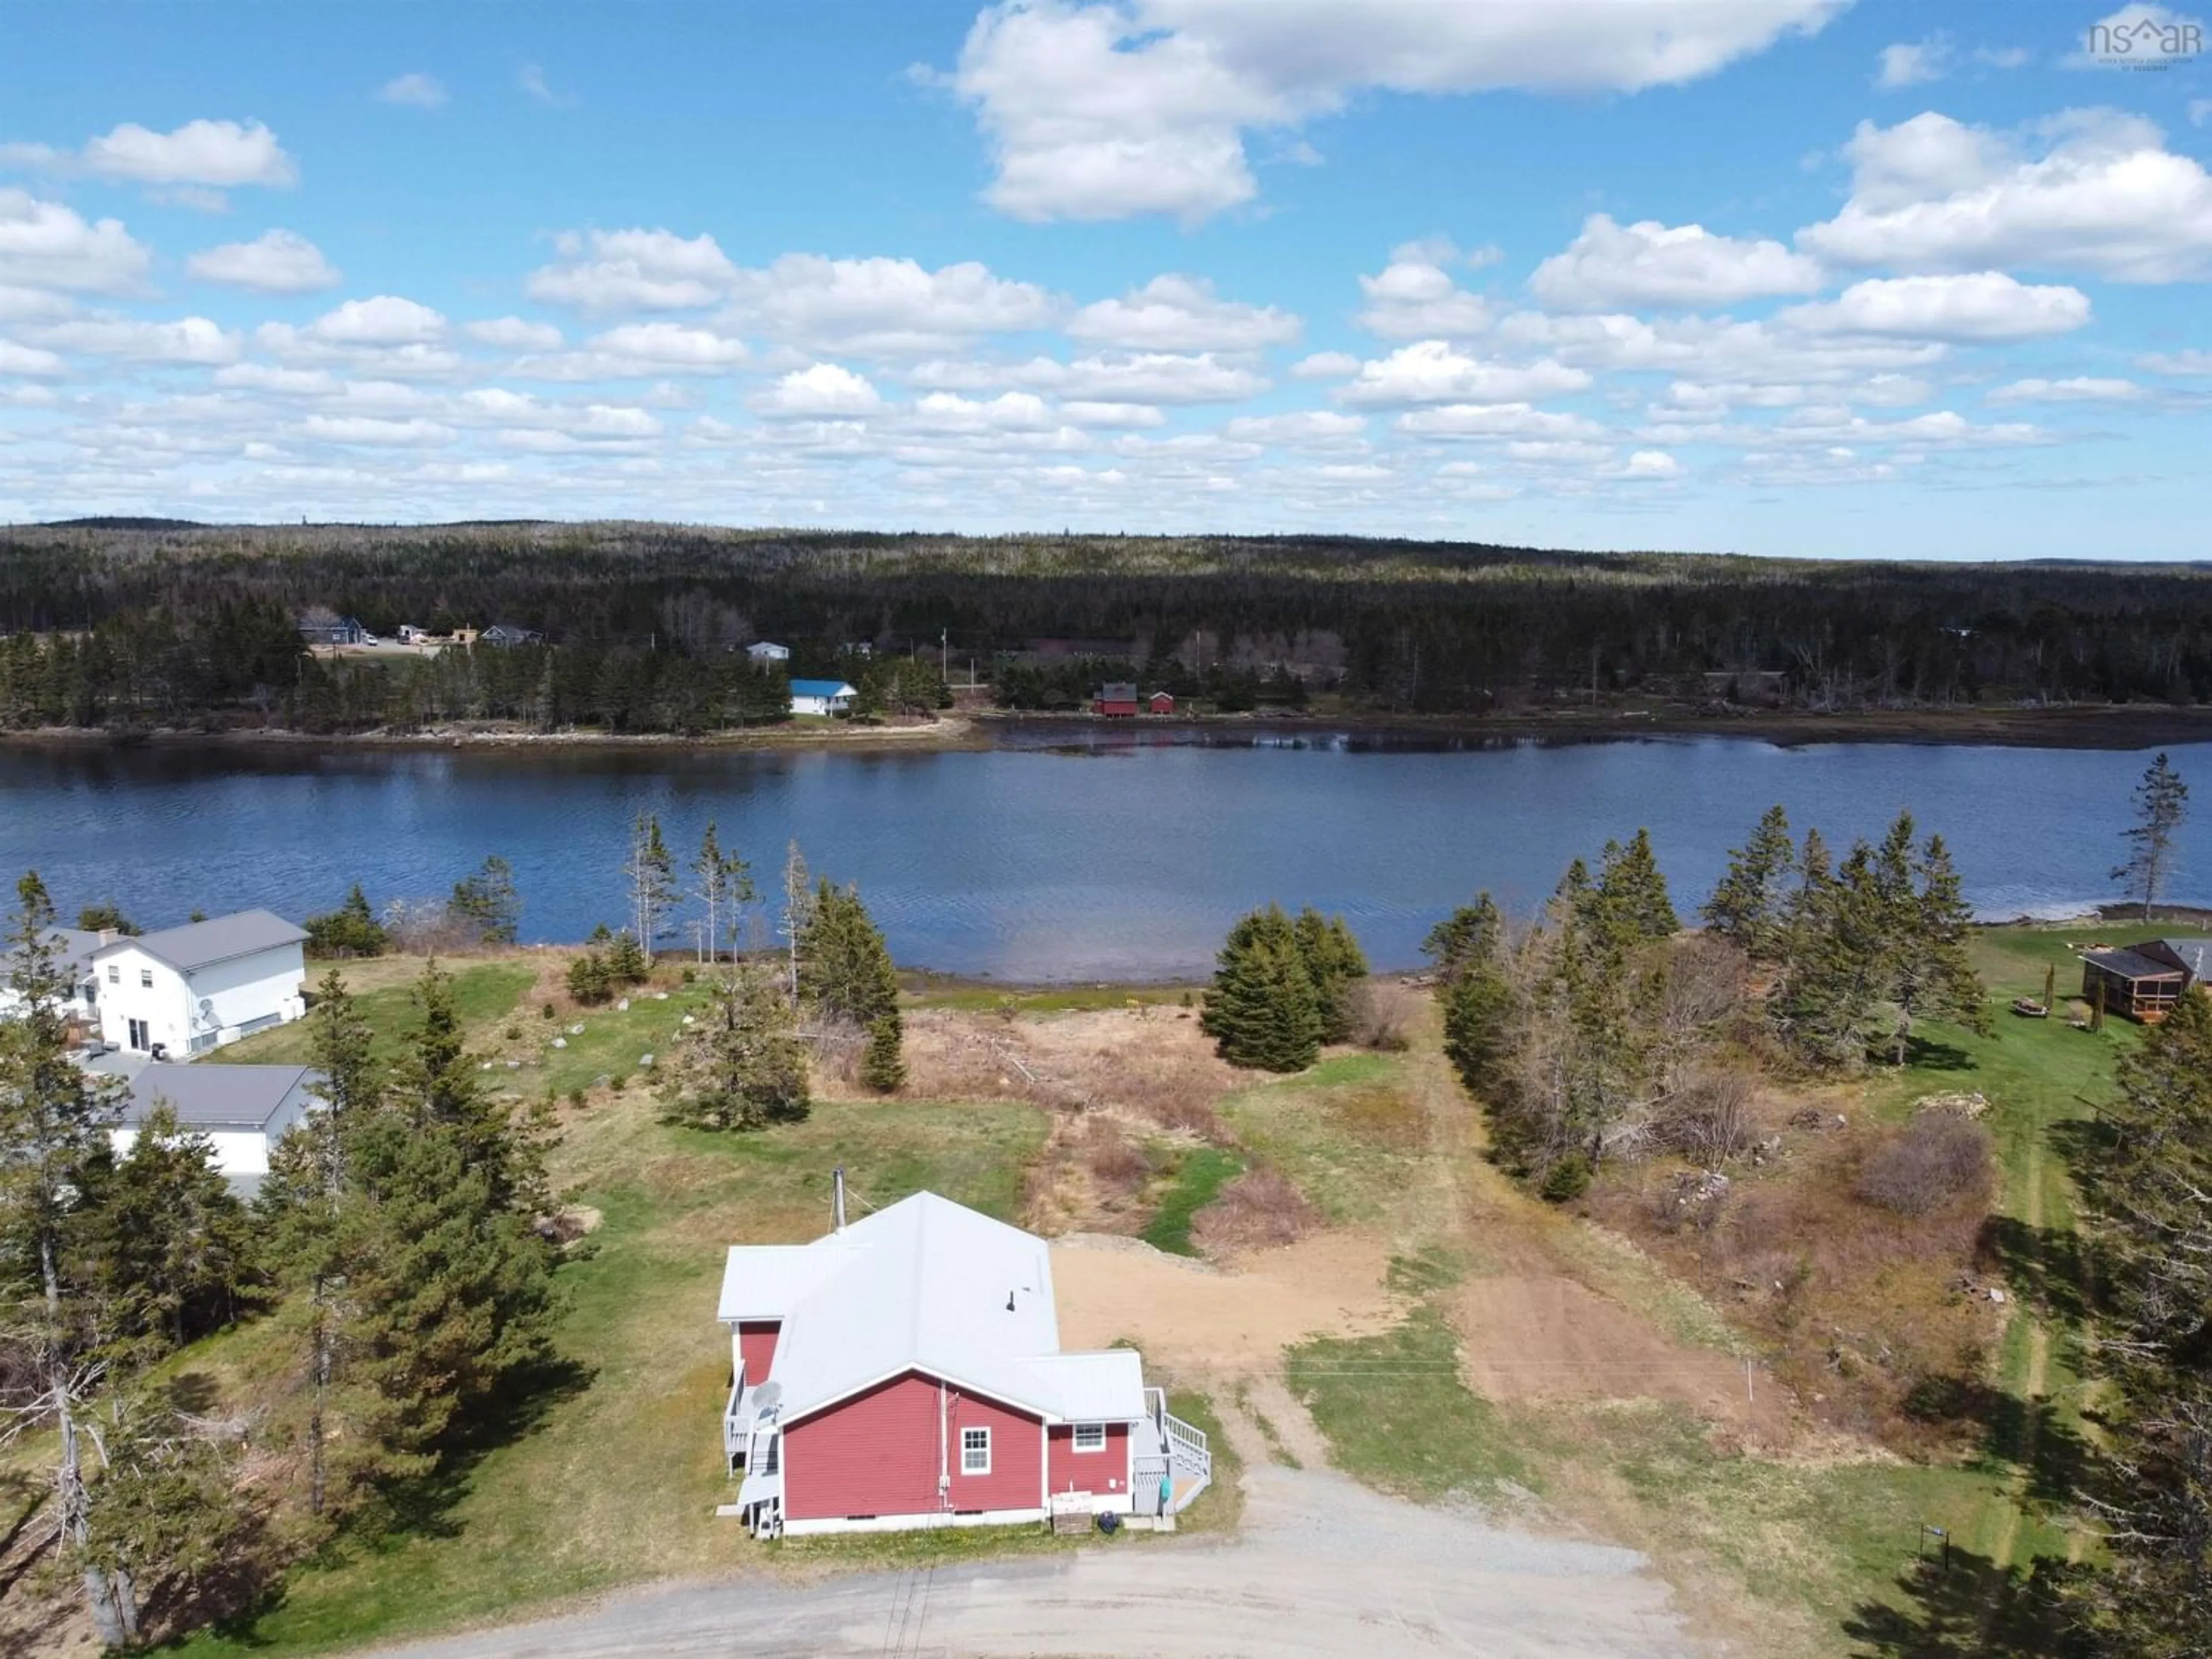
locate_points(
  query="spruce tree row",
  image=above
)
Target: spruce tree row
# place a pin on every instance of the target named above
(1283, 988)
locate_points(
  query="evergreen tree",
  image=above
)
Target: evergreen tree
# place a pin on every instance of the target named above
(53, 1123)
(1933, 973)
(882, 1063)
(743, 1066)
(351, 930)
(1632, 901)
(2161, 805)
(105, 917)
(435, 1082)
(844, 966)
(1472, 933)
(1334, 965)
(726, 882)
(312, 1220)
(2150, 1203)
(166, 1511)
(164, 1240)
(453, 1290)
(488, 902)
(1262, 1010)
(1750, 907)
(1479, 1004)
(650, 872)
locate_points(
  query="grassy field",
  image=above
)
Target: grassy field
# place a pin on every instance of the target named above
(615, 1482)
(383, 988)
(1826, 1546)
(1814, 1553)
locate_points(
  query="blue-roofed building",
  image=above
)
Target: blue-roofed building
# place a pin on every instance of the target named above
(821, 696)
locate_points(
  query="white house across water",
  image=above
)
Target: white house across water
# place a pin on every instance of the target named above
(185, 990)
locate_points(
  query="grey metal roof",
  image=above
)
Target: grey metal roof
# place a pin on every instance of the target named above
(214, 1096)
(930, 1285)
(2130, 965)
(2194, 954)
(197, 943)
(77, 947)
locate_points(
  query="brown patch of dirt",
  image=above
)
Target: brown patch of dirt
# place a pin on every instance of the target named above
(1543, 1336)
(1195, 1320)
(1150, 1062)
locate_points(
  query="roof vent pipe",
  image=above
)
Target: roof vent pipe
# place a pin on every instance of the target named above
(837, 1197)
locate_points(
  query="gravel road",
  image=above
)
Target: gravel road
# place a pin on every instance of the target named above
(1320, 1566)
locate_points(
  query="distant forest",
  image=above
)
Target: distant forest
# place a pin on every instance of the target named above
(134, 623)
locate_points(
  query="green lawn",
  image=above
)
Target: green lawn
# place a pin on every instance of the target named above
(483, 994)
(1200, 1175)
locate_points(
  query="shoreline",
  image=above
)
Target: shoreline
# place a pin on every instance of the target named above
(2108, 726)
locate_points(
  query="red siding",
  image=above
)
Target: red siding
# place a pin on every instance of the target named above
(1118, 706)
(1074, 1471)
(876, 1455)
(757, 1342)
(1162, 703)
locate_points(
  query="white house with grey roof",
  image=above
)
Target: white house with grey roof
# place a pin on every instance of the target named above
(185, 990)
(244, 1110)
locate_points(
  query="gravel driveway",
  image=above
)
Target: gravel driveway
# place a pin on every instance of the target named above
(1320, 1566)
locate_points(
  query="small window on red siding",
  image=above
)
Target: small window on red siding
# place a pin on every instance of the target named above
(975, 1451)
(1090, 1436)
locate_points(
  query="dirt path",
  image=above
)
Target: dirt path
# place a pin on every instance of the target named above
(1323, 1566)
(1198, 1320)
(2034, 1382)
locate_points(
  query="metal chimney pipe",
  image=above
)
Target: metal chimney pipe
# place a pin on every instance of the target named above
(837, 1200)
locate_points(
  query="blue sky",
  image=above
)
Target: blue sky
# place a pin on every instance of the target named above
(1791, 276)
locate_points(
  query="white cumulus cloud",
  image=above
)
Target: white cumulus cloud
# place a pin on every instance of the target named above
(2079, 389)
(1682, 267)
(635, 269)
(1981, 306)
(2105, 196)
(1432, 371)
(1104, 111)
(275, 262)
(1181, 313)
(820, 391)
(883, 306)
(44, 244)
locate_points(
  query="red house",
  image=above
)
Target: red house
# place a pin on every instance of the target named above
(906, 1371)
(1115, 697)
(1161, 702)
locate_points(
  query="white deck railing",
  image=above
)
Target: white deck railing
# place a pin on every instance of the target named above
(1187, 1454)
(733, 1432)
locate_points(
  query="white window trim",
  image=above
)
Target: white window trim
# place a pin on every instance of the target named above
(1083, 1429)
(114, 974)
(145, 979)
(970, 1445)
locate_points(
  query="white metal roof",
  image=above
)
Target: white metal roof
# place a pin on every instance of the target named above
(924, 1284)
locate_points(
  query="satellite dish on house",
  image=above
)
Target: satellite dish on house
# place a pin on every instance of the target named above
(207, 1011)
(768, 1396)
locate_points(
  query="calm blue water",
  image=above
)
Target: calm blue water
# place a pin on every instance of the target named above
(1118, 857)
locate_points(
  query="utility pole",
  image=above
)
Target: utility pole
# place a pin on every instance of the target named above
(944, 652)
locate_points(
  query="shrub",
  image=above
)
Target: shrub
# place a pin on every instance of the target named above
(1567, 1179)
(1259, 1210)
(1381, 1011)
(547, 1011)
(883, 1068)
(1114, 1164)
(589, 979)
(1934, 1161)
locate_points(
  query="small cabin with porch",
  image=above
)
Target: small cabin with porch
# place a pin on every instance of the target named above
(1117, 697)
(2144, 980)
(905, 1371)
